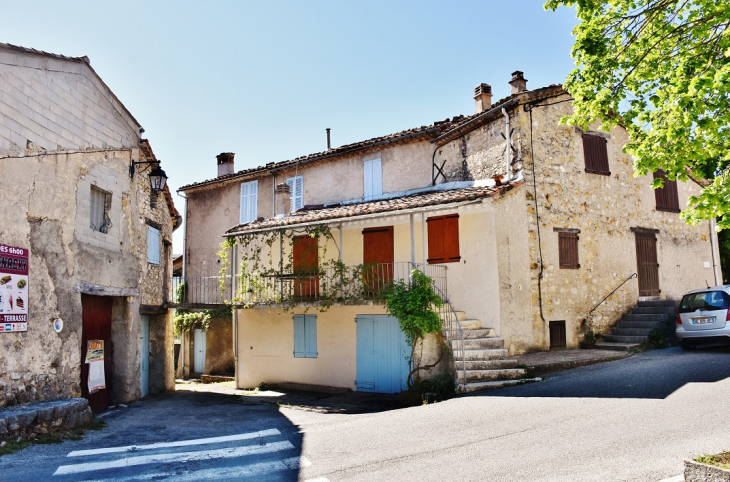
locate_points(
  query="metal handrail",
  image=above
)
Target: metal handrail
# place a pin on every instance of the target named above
(634, 275)
(448, 310)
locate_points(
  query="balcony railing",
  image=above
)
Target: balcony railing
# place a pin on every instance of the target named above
(332, 283)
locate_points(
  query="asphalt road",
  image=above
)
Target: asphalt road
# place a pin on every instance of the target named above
(635, 419)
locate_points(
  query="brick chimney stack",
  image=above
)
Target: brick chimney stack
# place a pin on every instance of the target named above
(518, 82)
(283, 201)
(483, 97)
(225, 163)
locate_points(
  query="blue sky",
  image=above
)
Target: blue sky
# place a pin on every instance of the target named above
(264, 79)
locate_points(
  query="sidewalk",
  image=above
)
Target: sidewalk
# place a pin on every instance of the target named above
(542, 362)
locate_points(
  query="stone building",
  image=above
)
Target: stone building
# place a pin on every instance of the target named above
(525, 224)
(78, 201)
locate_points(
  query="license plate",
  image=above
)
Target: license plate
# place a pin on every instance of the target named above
(702, 321)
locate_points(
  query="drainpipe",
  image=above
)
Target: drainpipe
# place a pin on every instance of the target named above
(273, 196)
(234, 311)
(713, 233)
(508, 174)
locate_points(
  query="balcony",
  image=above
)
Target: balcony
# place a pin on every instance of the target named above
(331, 285)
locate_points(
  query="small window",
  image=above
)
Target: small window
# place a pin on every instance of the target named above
(101, 202)
(305, 336)
(443, 239)
(296, 192)
(667, 198)
(373, 171)
(595, 152)
(153, 245)
(249, 199)
(568, 249)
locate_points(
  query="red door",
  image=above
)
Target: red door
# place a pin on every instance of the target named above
(305, 263)
(96, 325)
(377, 257)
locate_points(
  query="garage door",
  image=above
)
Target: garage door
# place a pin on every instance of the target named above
(382, 355)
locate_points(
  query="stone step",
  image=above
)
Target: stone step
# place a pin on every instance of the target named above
(473, 376)
(470, 325)
(639, 324)
(631, 331)
(491, 354)
(473, 387)
(664, 303)
(651, 310)
(483, 343)
(613, 346)
(626, 339)
(653, 317)
(481, 333)
(486, 364)
(460, 315)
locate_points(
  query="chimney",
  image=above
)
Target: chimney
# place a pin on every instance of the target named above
(283, 201)
(483, 97)
(518, 82)
(225, 163)
(329, 144)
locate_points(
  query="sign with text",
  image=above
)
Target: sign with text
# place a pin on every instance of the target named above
(13, 289)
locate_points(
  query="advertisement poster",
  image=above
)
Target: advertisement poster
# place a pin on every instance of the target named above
(95, 359)
(13, 289)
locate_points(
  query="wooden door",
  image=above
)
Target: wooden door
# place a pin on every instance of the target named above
(383, 355)
(377, 257)
(96, 316)
(199, 348)
(305, 264)
(646, 263)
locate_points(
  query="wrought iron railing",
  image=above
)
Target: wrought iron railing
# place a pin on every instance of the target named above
(201, 290)
(452, 330)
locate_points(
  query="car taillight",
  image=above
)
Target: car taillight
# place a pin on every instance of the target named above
(679, 320)
(727, 318)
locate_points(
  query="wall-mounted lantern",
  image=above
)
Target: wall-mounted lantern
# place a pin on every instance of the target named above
(158, 178)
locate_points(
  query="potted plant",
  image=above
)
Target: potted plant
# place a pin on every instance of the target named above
(589, 339)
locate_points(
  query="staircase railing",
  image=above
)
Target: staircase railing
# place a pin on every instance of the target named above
(452, 330)
(590, 313)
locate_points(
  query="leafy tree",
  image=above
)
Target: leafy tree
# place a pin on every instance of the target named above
(660, 69)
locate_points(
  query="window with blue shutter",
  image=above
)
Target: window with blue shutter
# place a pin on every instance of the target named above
(305, 336)
(249, 197)
(296, 192)
(153, 245)
(373, 171)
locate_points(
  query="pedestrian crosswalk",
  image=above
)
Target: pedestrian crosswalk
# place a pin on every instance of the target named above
(245, 455)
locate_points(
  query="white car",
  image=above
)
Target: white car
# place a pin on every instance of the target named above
(704, 317)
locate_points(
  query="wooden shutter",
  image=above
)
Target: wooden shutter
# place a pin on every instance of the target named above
(299, 340)
(296, 192)
(557, 334)
(667, 198)
(153, 245)
(595, 152)
(378, 254)
(305, 253)
(647, 262)
(568, 250)
(373, 175)
(305, 336)
(249, 200)
(443, 239)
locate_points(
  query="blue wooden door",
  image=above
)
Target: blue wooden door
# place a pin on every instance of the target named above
(382, 355)
(144, 374)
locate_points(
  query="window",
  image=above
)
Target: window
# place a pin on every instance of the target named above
(568, 248)
(101, 203)
(305, 336)
(249, 196)
(443, 239)
(595, 152)
(296, 192)
(153, 245)
(373, 178)
(557, 334)
(667, 198)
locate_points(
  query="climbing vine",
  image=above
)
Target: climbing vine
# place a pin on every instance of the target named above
(186, 320)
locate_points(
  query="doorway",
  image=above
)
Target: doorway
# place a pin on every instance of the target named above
(646, 263)
(198, 351)
(377, 256)
(144, 355)
(383, 355)
(96, 320)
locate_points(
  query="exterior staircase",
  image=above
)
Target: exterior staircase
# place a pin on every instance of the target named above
(633, 329)
(485, 363)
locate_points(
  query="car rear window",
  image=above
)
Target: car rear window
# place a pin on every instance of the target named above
(707, 300)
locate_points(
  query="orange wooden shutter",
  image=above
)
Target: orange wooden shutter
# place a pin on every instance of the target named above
(443, 239)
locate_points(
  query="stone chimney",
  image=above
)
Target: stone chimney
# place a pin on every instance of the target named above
(518, 82)
(225, 163)
(283, 201)
(483, 97)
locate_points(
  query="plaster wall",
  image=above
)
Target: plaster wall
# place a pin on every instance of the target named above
(219, 347)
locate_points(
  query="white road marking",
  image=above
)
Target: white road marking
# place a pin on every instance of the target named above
(318, 479)
(179, 457)
(238, 472)
(181, 443)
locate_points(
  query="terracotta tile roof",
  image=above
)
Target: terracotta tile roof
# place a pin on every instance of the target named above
(29, 50)
(336, 212)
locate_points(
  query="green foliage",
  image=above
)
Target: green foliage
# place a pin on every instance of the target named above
(181, 292)
(186, 320)
(440, 386)
(660, 69)
(657, 339)
(590, 336)
(411, 303)
(724, 245)
(721, 460)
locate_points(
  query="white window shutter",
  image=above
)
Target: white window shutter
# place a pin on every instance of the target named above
(153, 245)
(249, 201)
(373, 178)
(296, 192)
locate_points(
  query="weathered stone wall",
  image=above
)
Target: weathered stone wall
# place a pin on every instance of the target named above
(219, 347)
(27, 421)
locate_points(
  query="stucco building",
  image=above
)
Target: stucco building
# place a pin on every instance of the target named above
(80, 206)
(524, 224)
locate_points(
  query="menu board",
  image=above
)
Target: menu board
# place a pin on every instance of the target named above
(13, 289)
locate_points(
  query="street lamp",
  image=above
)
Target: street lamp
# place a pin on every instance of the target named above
(157, 176)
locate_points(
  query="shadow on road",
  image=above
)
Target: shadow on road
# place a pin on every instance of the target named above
(653, 375)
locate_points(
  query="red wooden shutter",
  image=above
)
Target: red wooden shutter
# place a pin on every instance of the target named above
(568, 250)
(443, 239)
(667, 198)
(595, 153)
(305, 263)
